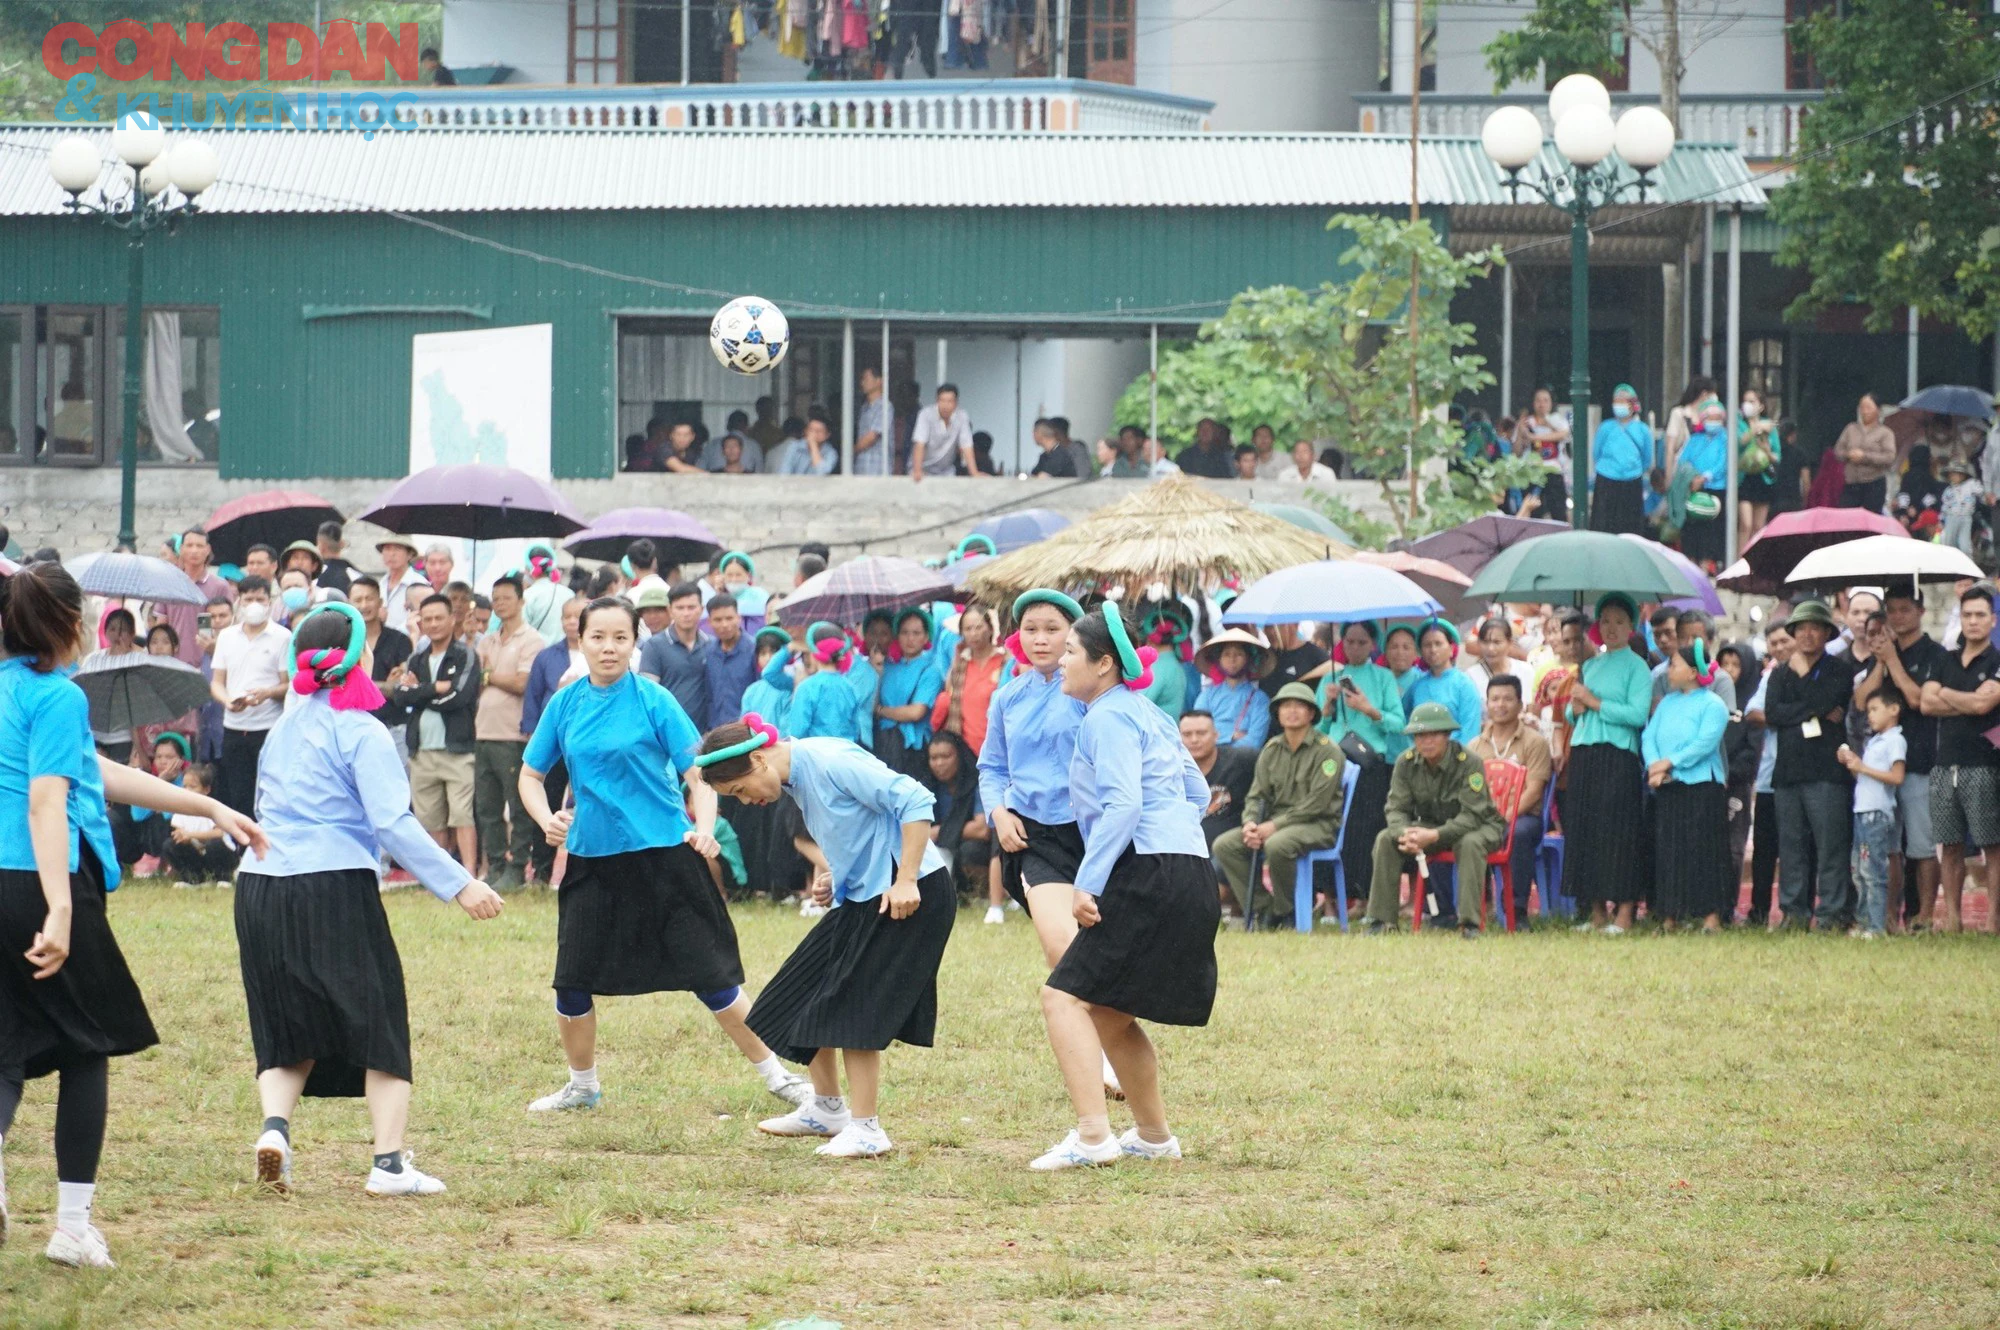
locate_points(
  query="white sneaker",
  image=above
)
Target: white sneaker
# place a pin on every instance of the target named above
(570, 1097)
(810, 909)
(1138, 1147)
(1613, 930)
(274, 1162)
(1866, 935)
(87, 1249)
(857, 1142)
(409, 1182)
(995, 915)
(808, 1119)
(1072, 1152)
(1013, 906)
(794, 1089)
(1585, 927)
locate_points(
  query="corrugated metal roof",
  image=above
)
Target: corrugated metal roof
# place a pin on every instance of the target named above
(443, 171)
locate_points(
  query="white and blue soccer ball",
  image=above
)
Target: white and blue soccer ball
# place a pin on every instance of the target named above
(749, 335)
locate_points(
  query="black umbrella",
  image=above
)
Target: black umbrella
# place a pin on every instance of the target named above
(268, 517)
(475, 502)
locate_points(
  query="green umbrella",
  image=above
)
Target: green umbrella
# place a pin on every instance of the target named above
(1577, 566)
(1304, 518)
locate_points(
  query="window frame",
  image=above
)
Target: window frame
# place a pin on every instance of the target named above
(116, 378)
(621, 44)
(101, 344)
(25, 373)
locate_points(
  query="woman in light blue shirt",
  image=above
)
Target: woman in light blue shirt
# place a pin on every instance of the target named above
(321, 976)
(1682, 748)
(1605, 864)
(1438, 679)
(638, 911)
(67, 999)
(1145, 898)
(866, 975)
(1620, 453)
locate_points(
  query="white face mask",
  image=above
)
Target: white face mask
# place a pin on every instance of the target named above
(255, 613)
(1752, 410)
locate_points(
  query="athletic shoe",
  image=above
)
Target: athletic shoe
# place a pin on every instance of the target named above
(409, 1182)
(808, 1119)
(274, 1162)
(995, 915)
(1613, 930)
(85, 1250)
(1072, 1151)
(1138, 1147)
(1869, 935)
(148, 866)
(857, 1142)
(510, 879)
(571, 1096)
(794, 1089)
(810, 909)
(1585, 927)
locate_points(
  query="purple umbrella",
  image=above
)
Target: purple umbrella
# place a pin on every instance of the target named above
(677, 537)
(475, 502)
(1704, 597)
(958, 570)
(872, 582)
(1472, 545)
(1018, 530)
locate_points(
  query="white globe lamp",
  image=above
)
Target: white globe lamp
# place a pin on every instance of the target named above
(1512, 136)
(75, 164)
(138, 139)
(153, 178)
(1644, 137)
(193, 166)
(1584, 135)
(1577, 90)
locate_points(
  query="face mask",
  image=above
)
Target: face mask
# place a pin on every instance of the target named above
(1713, 429)
(255, 613)
(1621, 409)
(296, 597)
(1752, 410)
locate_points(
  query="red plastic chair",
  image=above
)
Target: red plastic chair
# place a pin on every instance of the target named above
(1504, 781)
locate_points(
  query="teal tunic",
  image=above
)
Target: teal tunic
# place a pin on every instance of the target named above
(1379, 686)
(1168, 691)
(1624, 685)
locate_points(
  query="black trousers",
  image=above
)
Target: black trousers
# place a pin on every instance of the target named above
(82, 1104)
(236, 783)
(1869, 494)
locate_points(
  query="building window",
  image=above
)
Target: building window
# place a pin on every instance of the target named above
(1764, 373)
(1800, 70)
(594, 41)
(61, 381)
(72, 379)
(1111, 41)
(17, 394)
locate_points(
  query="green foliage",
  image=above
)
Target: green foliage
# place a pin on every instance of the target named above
(1565, 36)
(1219, 378)
(1900, 217)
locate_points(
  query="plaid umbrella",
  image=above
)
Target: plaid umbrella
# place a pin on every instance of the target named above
(677, 537)
(268, 517)
(475, 502)
(128, 691)
(135, 577)
(846, 593)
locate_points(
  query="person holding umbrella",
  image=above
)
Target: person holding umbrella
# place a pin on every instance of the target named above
(1806, 707)
(193, 557)
(1361, 709)
(1606, 862)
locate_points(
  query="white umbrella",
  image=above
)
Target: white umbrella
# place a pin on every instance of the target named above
(1879, 559)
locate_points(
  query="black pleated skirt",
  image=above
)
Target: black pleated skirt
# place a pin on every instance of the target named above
(646, 921)
(91, 1008)
(1152, 953)
(1367, 813)
(322, 978)
(860, 979)
(1617, 505)
(1701, 538)
(1607, 855)
(1053, 854)
(1691, 859)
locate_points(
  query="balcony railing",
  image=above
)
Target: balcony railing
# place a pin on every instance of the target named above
(1000, 107)
(1764, 126)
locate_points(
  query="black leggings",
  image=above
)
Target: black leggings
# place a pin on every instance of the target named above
(82, 1104)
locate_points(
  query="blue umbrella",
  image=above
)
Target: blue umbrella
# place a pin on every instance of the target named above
(135, 577)
(1018, 530)
(1950, 399)
(1331, 591)
(956, 571)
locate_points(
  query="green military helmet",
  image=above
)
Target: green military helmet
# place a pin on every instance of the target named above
(1431, 718)
(1294, 692)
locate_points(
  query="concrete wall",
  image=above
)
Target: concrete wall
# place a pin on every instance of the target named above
(1268, 65)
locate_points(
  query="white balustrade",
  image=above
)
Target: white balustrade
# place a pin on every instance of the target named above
(1762, 126)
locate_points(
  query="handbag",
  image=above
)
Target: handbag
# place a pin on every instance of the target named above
(1358, 750)
(1704, 505)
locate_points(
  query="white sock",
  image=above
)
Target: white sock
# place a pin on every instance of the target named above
(870, 1123)
(831, 1103)
(771, 1070)
(73, 1205)
(1110, 1072)
(586, 1079)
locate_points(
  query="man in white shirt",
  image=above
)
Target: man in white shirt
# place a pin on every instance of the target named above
(1305, 469)
(942, 438)
(400, 573)
(248, 679)
(1493, 654)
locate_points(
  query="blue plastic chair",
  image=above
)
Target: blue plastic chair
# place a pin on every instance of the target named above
(1549, 862)
(1302, 881)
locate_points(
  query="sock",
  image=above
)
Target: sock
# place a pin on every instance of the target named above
(1155, 1135)
(279, 1125)
(869, 1123)
(391, 1162)
(1094, 1130)
(772, 1071)
(830, 1103)
(73, 1205)
(586, 1079)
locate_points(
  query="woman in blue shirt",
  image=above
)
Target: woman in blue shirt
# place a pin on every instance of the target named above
(823, 703)
(909, 687)
(763, 697)
(68, 1003)
(1706, 455)
(1682, 748)
(1235, 660)
(1438, 679)
(1620, 454)
(1145, 898)
(1606, 864)
(638, 911)
(867, 973)
(1400, 657)
(321, 976)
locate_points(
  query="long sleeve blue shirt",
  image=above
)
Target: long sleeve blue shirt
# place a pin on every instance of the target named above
(729, 673)
(903, 683)
(1708, 454)
(1686, 730)
(627, 748)
(766, 701)
(47, 733)
(1241, 709)
(822, 707)
(544, 676)
(1458, 693)
(1024, 762)
(1132, 784)
(1622, 449)
(855, 809)
(862, 681)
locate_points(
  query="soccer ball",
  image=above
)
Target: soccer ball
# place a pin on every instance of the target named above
(749, 335)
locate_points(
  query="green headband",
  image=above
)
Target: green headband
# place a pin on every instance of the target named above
(179, 741)
(736, 556)
(1625, 388)
(1129, 664)
(1042, 596)
(761, 735)
(984, 542)
(776, 634)
(921, 614)
(1620, 598)
(820, 630)
(357, 634)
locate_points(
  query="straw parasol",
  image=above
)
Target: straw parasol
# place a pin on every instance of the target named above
(1174, 531)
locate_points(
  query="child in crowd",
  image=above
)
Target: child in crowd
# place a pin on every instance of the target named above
(1960, 504)
(197, 850)
(1877, 772)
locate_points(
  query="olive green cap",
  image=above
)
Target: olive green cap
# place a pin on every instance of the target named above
(1811, 611)
(1431, 718)
(1293, 692)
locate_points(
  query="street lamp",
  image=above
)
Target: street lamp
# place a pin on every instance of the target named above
(188, 168)
(1586, 136)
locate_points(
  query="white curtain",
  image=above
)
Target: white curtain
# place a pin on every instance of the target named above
(163, 388)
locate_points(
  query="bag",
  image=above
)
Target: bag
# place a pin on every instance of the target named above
(1754, 457)
(1703, 505)
(1357, 750)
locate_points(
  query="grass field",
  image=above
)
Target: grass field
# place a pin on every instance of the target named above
(1545, 1130)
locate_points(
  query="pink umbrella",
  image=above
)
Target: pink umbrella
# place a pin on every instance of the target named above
(1789, 537)
(1441, 582)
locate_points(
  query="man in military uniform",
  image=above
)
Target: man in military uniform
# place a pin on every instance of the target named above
(1293, 806)
(1437, 801)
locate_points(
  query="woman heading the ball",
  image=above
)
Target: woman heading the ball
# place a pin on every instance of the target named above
(1145, 900)
(638, 912)
(321, 974)
(867, 973)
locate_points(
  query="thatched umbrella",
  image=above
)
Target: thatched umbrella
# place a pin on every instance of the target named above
(1173, 531)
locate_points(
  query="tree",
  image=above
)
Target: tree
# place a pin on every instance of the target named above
(1896, 197)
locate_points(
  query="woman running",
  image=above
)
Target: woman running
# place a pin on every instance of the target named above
(1145, 899)
(324, 982)
(867, 973)
(638, 912)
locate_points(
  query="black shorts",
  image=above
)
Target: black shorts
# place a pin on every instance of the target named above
(1053, 854)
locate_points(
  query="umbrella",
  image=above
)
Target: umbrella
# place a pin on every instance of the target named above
(1331, 591)
(871, 582)
(136, 577)
(1789, 537)
(1439, 580)
(137, 689)
(1306, 519)
(1018, 530)
(1472, 545)
(958, 570)
(268, 517)
(1577, 565)
(1875, 560)
(677, 537)
(1950, 399)
(474, 502)
(1704, 597)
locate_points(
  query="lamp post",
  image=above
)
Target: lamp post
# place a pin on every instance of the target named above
(1586, 137)
(189, 168)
